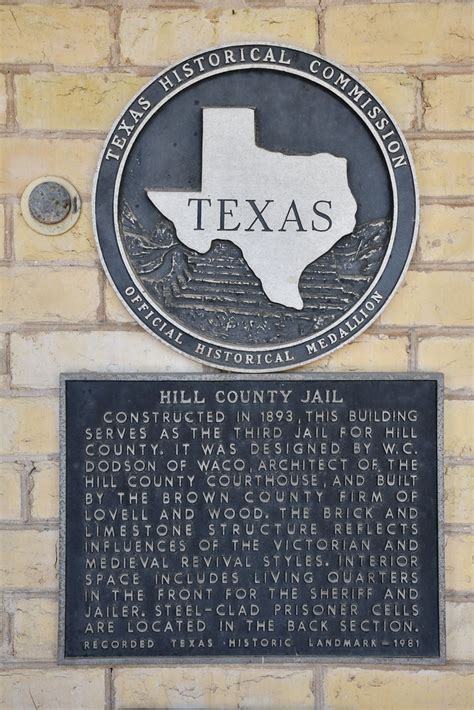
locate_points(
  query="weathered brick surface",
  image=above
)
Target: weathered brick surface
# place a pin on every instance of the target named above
(24, 159)
(214, 687)
(459, 416)
(35, 634)
(10, 491)
(28, 425)
(53, 689)
(399, 33)
(43, 490)
(459, 563)
(155, 35)
(37, 293)
(78, 102)
(446, 233)
(460, 631)
(398, 92)
(453, 356)
(114, 309)
(28, 559)
(101, 351)
(39, 34)
(75, 245)
(361, 689)
(444, 167)
(448, 103)
(438, 298)
(459, 495)
(366, 353)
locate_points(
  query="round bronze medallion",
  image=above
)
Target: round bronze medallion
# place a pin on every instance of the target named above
(255, 207)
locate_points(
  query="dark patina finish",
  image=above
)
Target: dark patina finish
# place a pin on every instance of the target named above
(271, 516)
(212, 303)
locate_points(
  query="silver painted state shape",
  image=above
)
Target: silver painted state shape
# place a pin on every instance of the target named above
(234, 168)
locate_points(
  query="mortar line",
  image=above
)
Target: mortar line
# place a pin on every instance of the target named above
(319, 687)
(322, 27)
(115, 12)
(101, 308)
(11, 123)
(109, 700)
(38, 525)
(74, 134)
(8, 237)
(413, 350)
(419, 104)
(24, 493)
(428, 70)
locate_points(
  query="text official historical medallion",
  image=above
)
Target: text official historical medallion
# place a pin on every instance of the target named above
(255, 207)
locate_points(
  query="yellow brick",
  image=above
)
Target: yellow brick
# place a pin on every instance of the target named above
(431, 298)
(40, 293)
(2, 232)
(222, 688)
(52, 689)
(77, 244)
(24, 159)
(446, 233)
(54, 35)
(39, 358)
(460, 631)
(459, 495)
(458, 423)
(114, 308)
(444, 167)
(3, 100)
(44, 490)
(448, 103)
(35, 629)
(149, 36)
(28, 559)
(292, 26)
(367, 352)
(360, 689)
(452, 356)
(459, 563)
(10, 491)
(28, 425)
(81, 102)
(399, 34)
(398, 93)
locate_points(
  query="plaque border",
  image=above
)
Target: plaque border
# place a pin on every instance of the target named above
(260, 659)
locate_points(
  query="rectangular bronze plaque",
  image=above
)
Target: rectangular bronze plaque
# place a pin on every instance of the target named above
(238, 517)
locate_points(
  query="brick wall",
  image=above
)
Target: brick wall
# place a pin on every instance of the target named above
(67, 69)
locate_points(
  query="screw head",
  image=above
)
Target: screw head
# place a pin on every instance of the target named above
(49, 203)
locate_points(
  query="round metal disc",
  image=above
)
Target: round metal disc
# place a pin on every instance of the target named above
(49, 203)
(255, 207)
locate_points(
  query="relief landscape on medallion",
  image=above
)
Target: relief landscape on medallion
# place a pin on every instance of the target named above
(219, 293)
(270, 268)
